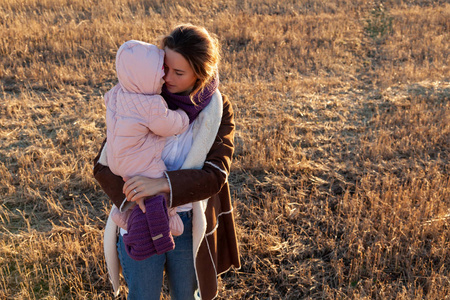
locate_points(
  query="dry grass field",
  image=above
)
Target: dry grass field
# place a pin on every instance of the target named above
(340, 180)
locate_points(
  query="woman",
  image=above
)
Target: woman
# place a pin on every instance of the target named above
(199, 190)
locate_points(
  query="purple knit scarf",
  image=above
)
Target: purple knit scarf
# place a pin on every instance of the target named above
(201, 99)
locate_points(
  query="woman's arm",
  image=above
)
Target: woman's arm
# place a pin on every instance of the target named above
(163, 121)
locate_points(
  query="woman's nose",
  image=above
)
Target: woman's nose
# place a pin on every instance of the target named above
(166, 76)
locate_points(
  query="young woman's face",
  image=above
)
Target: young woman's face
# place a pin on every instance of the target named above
(179, 78)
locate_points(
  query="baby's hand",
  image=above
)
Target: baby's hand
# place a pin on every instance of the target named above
(141, 204)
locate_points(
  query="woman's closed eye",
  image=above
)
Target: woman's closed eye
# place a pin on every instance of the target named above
(177, 72)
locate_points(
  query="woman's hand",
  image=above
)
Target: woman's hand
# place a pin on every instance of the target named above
(138, 188)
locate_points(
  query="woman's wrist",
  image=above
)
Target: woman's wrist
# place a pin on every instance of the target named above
(164, 185)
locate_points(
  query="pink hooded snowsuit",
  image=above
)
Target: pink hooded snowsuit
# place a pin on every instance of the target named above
(137, 118)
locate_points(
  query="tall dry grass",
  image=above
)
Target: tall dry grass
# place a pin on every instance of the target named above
(341, 171)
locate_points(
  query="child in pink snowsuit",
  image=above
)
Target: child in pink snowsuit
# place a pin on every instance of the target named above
(138, 120)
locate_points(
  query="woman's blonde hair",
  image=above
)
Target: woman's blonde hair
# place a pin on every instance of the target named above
(199, 47)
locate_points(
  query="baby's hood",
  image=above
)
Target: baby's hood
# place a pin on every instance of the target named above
(140, 67)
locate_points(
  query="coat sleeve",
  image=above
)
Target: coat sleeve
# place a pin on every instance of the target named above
(163, 121)
(192, 185)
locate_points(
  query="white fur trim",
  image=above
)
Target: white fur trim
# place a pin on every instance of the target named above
(217, 224)
(111, 255)
(196, 294)
(170, 188)
(224, 172)
(126, 205)
(103, 159)
(204, 134)
(214, 265)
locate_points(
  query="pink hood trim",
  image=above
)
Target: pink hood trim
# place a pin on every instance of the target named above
(136, 69)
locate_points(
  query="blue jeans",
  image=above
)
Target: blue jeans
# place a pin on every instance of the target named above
(145, 278)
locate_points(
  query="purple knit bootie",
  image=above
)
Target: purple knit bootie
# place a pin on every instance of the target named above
(149, 233)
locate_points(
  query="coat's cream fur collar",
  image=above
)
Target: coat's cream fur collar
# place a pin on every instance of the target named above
(205, 131)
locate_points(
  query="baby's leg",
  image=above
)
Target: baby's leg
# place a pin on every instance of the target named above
(120, 218)
(175, 222)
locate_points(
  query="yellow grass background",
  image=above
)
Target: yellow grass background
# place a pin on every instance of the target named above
(341, 172)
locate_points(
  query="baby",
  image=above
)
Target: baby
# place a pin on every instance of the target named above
(138, 121)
